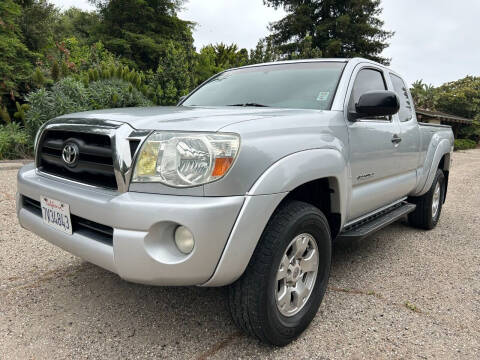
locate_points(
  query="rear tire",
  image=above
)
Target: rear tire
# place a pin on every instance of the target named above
(429, 206)
(255, 300)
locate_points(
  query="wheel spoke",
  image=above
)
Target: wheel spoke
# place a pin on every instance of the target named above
(310, 263)
(436, 200)
(300, 293)
(299, 247)
(284, 300)
(283, 270)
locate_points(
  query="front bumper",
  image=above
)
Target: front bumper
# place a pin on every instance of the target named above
(143, 248)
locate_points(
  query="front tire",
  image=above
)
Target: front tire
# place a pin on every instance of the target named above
(283, 286)
(429, 206)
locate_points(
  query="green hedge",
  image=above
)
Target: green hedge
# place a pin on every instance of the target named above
(70, 95)
(465, 144)
(14, 142)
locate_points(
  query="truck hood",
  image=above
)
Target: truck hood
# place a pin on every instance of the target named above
(184, 118)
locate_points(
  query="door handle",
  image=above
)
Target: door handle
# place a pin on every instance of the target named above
(396, 139)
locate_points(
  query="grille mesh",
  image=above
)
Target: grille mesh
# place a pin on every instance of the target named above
(95, 164)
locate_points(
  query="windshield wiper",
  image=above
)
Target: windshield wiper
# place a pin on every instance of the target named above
(249, 104)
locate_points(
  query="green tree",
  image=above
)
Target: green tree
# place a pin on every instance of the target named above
(140, 30)
(265, 51)
(173, 77)
(205, 64)
(213, 59)
(461, 97)
(16, 59)
(424, 96)
(37, 23)
(79, 24)
(228, 56)
(338, 28)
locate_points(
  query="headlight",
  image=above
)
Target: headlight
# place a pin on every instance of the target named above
(185, 159)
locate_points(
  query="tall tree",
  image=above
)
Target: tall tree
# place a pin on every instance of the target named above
(36, 23)
(15, 59)
(338, 28)
(213, 59)
(77, 23)
(140, 30)
(425, 96)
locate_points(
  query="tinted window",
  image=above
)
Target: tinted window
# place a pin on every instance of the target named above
(299, 86)
(406, 109)
(367, 80)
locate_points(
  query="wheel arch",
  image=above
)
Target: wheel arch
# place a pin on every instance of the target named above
(324, 194)
(438, 156)
(323, 171)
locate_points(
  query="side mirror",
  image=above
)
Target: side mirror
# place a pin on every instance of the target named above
(376, 103)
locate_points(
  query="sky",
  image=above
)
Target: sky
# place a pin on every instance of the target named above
(435, 40)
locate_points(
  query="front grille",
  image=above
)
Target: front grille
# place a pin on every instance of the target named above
(80, 225)
(95, 162)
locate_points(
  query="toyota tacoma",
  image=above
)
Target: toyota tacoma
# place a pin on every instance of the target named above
(247, 182)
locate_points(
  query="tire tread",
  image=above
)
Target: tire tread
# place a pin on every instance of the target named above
(244, 300)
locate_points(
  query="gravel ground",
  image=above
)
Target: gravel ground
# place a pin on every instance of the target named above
(402, 293)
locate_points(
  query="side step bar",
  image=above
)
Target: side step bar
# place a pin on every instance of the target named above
(368, 226)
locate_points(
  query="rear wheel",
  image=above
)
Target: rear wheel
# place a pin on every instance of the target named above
(429, 206)
(280, 292)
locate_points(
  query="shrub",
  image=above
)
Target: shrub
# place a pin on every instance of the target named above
(14, 142)
(465, 144)
(70, 95)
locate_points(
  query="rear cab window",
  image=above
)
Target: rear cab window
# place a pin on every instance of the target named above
(406, 108)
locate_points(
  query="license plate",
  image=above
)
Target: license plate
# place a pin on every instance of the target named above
(56, 214)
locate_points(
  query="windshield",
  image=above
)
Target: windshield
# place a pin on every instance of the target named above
(298, 86)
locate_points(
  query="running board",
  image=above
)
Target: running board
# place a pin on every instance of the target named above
(370, 225)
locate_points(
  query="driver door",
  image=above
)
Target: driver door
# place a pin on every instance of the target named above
(374, 171)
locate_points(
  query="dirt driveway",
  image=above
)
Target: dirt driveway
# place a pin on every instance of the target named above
(401, 293)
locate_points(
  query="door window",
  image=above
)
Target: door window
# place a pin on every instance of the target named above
(406, 109)
(367, 80)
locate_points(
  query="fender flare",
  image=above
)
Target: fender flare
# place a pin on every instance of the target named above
(265, 196)
(442, 148)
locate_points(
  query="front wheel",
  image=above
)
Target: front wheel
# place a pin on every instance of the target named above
(429, 206)
(280, 292)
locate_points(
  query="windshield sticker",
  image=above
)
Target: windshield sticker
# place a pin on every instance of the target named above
(323, 96)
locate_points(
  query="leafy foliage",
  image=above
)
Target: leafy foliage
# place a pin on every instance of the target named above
(16, 59)
(36, 21)
(465, 144)
(140, 31)
(425, 96)
(14, 142)
(173, 77)
(461, 98)
(76, 23)
(265, 51)
(337, 28)
(70, 95)
(213, 59)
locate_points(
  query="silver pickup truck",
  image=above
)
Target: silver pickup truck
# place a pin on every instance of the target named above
(247, 182)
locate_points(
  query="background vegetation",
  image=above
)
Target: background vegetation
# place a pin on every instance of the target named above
(139, 53)
(461, 98)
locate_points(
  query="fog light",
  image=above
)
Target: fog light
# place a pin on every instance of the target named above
(184, 240)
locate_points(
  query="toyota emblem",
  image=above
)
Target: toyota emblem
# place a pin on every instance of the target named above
(70, 154)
